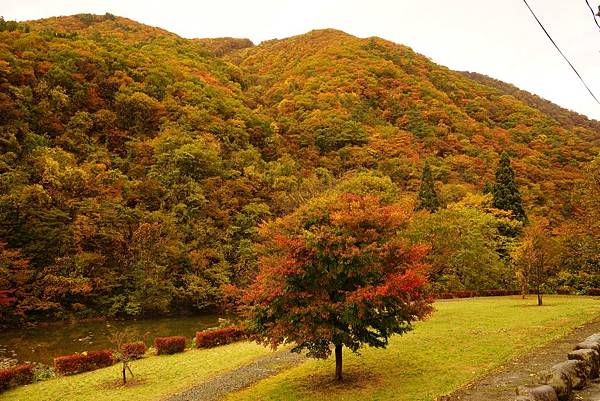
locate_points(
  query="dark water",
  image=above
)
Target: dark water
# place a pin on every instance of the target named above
(41, 344)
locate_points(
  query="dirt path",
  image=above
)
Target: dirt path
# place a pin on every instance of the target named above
(219, 386)
(500, 385)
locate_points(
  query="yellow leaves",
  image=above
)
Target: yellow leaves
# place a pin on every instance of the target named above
(5, 67)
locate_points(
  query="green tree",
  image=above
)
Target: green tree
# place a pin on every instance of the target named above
(464, 239)
(506, 192)
(427, 198)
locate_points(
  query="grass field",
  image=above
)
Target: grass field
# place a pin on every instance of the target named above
(159, 375)
(462, 341)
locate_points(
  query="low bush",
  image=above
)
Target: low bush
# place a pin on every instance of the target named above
(471, 294)
(593, 291)
(566, 290)
(16, 376)
(215, 337)
(134, 350)
(169, 345)
(84, 362)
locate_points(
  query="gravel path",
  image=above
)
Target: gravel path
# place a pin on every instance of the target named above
(501, 384)
(219, 386)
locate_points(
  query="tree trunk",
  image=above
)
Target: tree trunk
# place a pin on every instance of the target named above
(539, 298)
(338, 361)
(124, 375)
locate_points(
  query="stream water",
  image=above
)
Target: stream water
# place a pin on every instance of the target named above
(42, 344)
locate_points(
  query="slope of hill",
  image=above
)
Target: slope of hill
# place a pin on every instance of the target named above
(136, 164)
(565, 117)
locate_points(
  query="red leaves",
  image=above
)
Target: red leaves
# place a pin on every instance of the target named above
(5, 298)
(169, 345)
(133, 350)
(16, 375)
(216, 337)
(332, 266)
(84, 362)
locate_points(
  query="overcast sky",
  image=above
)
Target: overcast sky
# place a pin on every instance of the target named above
(497, 38)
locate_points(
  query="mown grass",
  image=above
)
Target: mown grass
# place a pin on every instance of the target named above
(462, 341)
(157, 375)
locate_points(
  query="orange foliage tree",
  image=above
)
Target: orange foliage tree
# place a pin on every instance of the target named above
(335, 273)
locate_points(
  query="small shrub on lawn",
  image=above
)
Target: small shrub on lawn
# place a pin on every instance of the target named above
(84, 362)
(471, 294)
(133, 350)
(215, 337)
(15, 376)
(169, 345)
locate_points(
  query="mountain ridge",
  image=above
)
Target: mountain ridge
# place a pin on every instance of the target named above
(136, 166)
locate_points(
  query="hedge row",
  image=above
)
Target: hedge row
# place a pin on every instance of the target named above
(593, 291)
(15, 376)
(169, 345)
(216, 337)
(471, 294)
(92, 360)
(134, 350)
(84, 362)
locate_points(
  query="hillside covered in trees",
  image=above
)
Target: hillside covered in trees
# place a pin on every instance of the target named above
(136, 166)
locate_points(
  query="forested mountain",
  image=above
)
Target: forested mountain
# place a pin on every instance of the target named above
(136, 165)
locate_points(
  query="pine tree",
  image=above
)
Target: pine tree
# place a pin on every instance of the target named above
(427, 198)
(506, 193)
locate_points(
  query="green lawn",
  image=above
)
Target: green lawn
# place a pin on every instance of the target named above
(161, 375)
(463, 340)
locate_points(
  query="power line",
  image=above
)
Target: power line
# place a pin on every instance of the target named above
(593, 13)
(561, 53)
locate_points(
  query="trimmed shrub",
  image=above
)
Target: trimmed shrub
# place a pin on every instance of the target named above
(134, 350)
(482, 293)
(566, 290)
(169, 345)
(593, 291)
(16, 376)
(84, 362)
(215, 337)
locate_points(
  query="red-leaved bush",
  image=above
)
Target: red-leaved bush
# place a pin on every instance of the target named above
(133, 350)
(169, 345)
(215, 337)
(15, 376)
(84, 362)
(593, 291)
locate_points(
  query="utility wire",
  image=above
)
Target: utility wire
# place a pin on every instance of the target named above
(593, 13)
(561, 53)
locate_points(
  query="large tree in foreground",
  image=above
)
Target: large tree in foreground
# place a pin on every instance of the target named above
(335, 274)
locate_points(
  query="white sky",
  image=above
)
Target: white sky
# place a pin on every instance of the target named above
(497, 38)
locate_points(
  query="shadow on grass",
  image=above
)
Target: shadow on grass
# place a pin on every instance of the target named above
(325, 383)
(118, 383)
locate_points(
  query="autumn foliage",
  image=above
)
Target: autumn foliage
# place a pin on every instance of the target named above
(133, 350)
(137, 165)
(215, 337)
(83, 362)
(335, 273)
(15, 376)
(169, 345)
